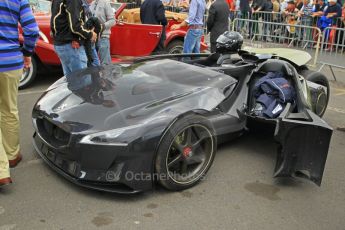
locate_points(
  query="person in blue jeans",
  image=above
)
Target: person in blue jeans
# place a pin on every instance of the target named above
(195, 26)
(104, 12)
(71, 58)
(68, 29)
(95, 61)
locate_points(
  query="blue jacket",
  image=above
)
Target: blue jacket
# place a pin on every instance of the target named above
(273, 91)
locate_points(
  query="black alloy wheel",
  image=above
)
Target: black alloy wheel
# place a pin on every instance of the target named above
(186, 153)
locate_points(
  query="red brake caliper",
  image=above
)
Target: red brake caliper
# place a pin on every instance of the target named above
(187, 151)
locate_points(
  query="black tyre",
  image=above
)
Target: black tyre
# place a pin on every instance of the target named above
(175, 47)
(186, 153)
(29, 75)
(320, 79)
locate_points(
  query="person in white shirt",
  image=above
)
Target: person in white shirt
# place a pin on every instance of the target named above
(103, 11)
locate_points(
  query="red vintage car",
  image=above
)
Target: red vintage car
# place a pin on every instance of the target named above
(129, 38)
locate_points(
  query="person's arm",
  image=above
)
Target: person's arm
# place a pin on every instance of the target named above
(317, 14)
(109, 15)
(192, 11)
(210, 18)
(261, 5)
(191, 16)
(75, 21)
(335, 14)
(300, 11)
(160, 14)
(30, 31)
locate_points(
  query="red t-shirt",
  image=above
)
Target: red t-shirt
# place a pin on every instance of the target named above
(231, 4)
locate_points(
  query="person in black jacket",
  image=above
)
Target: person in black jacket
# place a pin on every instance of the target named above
(257, 8)
(217, 21)
(70, 33)
(153, 12)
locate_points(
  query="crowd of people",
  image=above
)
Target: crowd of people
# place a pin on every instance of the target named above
(325, 14)
(305, 13)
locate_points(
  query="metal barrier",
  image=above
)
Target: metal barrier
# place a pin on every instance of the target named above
(276, 29)
(272, 34)
(332, 49)
(283, 18)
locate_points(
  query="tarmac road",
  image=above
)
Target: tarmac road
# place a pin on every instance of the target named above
(238, 193)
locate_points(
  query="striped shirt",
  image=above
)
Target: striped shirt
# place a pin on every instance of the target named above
(13, 12)
(307, 11)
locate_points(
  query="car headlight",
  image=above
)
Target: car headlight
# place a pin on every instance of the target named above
(111, 137)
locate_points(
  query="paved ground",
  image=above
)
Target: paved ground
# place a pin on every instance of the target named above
(239, 192)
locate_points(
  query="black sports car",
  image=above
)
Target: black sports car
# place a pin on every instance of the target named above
(121, 128)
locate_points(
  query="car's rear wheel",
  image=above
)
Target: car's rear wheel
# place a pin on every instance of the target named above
(29, 75)
(186, 152)
(175, 47)
(321, 102)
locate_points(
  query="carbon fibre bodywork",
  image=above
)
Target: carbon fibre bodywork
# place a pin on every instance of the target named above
(101, 127)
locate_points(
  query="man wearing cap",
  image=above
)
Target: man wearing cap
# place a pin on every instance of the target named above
(333, 10)
(195, 23)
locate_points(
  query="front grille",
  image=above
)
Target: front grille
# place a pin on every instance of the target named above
(52, 133)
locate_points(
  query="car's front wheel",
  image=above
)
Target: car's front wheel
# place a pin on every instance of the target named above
(186, 152)
(28, 74)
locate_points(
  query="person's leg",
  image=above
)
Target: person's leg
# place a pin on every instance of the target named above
(197, 37)
(72, 59)
(76, 58)
(94, 54)
(213, 47)
(104, 51)
(4, 165)
(189, 42)
(244, 15)
(60, 51)
(309, 35)
(301, 34)
(268, 28)
(254, 26)
(160, 48)
(9, 143)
